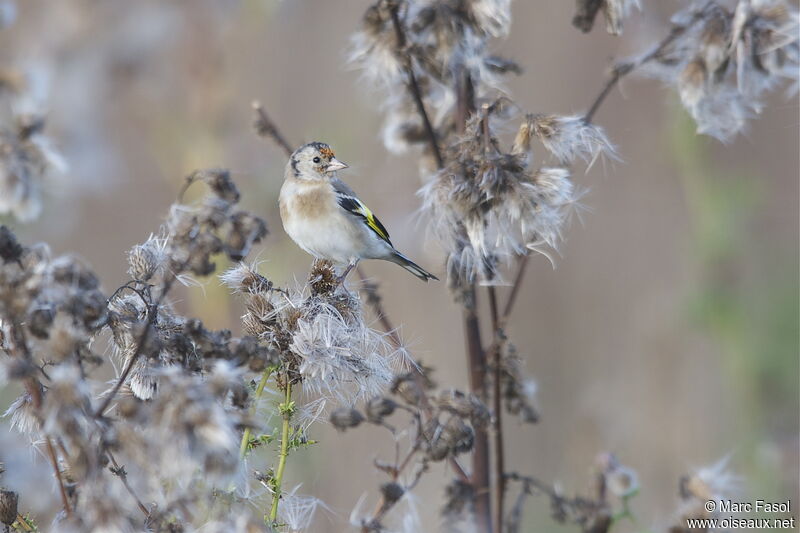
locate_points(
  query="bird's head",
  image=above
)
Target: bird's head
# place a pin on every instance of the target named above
(314, 161)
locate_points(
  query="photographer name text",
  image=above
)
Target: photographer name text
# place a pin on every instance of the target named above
(758, 506)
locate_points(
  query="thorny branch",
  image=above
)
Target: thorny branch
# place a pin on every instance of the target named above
(267, 129)
(120, 472)
(62, 490)
(591, 514)
(390, 490)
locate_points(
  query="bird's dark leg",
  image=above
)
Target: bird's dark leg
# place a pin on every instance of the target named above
(350, 267)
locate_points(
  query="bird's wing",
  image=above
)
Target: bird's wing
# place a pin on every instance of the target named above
(349, 202)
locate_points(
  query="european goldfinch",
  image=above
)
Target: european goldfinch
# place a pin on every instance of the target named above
(325, 217)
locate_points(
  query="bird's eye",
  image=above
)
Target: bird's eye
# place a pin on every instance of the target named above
(316, 160)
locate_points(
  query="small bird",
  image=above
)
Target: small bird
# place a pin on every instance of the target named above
(325, 217)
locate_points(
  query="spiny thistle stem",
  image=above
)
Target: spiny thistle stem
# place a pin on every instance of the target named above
(497, 434)
(22, 523)
(123, 476)
(286, 409)
(259, 391)
(477, 377)
(476, 357)
(54, 461)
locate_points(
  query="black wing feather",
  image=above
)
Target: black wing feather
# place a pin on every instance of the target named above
(354, 206)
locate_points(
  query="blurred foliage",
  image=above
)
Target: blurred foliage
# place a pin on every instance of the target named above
(746, 299)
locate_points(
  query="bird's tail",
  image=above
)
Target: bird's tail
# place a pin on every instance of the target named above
(411, 266)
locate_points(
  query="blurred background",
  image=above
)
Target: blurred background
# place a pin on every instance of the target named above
(667, 333)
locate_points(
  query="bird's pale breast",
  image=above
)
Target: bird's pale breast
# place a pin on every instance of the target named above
(313, 219)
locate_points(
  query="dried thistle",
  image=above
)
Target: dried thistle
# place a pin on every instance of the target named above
(345, 418)
(489, 206)
(725, 56)
(614, 11)
(26, 158)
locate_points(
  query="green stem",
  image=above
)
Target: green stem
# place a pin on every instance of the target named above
(259, 392)
(286, 413)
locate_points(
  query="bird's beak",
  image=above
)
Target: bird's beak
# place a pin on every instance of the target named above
(335, 165)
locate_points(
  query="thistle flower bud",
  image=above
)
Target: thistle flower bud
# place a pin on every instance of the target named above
(406, 387)
(8, 507)
(245, 279)
(450, 439)
(72, 272)
(144, 260)
(345, 417)
(252, 325)
(39, 322)
(464, 405)
(260, 306)
(458, 436)
(245, 230)
(219, 181)
(128, 407)
(248, 351)
(322, 278)
(459, 497)
(10, 249)
(64, 337)
(392, 492)
(379, 408)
